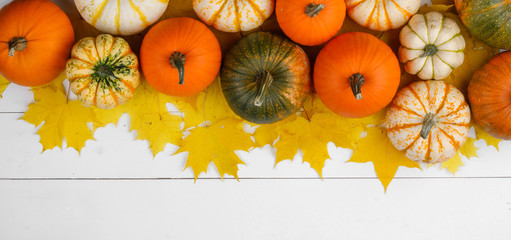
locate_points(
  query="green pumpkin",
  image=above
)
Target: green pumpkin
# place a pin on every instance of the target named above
(487, 20)
(265, 77)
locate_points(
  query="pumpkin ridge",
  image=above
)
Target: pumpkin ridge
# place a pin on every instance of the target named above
(356, 4)
(420, 70)
(403, 126)
(500, 28)
(456, 124)
(98, 12)
(255, 7)
(141, 14)
(451, 139)
(441, 30)
(427, 28)
(450, 39)
(371, 14)
(415, 32)
(215, 15)
(444, 98)
(412, 143)
(416, 95)
(117, 16)
(237, 16)
(439, 58)
(488, 8)
(84, 86)
(459, 108)
(400, 9)
(76, 77)
(406, 110)
(387, 14)
(114, 97)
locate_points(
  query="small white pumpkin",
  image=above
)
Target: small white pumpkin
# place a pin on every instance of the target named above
(431, 46)
(428, 120)
(234, 15)
(121, 17)
(382, 15)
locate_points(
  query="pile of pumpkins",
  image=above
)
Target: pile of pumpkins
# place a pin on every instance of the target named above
(266, 77)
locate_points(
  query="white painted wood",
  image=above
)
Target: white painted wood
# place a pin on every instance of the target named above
(256, 209)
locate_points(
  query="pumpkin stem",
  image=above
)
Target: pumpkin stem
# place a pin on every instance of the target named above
(313, 9)
(263, 82)
(427, 124)
(429, 50)
(177, 60)
(17, 44)
(356, 82)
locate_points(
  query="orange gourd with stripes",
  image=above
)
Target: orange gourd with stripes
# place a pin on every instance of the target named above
(35, 39)
(428, 121)
(121, 17)
(310, 22)
(382, 15)
(234, 15)
(103, 71)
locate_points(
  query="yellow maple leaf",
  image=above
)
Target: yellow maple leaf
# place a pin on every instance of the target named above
(3, 84)
(62, 118)
(148, 116)
(377, 148)
(468, 150)
(216, 143)
(490, 140)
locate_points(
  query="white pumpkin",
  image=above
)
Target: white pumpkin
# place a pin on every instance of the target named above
(234, 15)
(121, 17)
(428, 120)
(431, 46)
(382, 15)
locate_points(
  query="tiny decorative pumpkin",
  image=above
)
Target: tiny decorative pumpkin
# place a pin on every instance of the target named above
(489, 93)
(310, 22)
(233, 16)
(431, 46)
(356, 74)
(180, 56)
(35, 39)
(265, 77)
(428, 121)
(121, 17)
(382, 15)
(103, 71)
(487, 20)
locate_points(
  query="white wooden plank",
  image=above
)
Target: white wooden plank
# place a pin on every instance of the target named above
(256, 209)
(115, 154)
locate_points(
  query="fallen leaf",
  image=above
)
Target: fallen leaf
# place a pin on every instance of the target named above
(490, 140)
(216, 143)
(468, 150)
(62, 118)
(3, 85)
(377, 148)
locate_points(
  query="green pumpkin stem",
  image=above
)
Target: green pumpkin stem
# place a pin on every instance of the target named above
(427, 125)
(17, 44)
(429, 50)
(313, 9)
(356, 82)
(177, 60)
(263, 82)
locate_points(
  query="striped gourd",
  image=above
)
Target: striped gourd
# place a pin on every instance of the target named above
(382, 15)
(121, 17)
(234, 15)
(103, 71)
(428, 121)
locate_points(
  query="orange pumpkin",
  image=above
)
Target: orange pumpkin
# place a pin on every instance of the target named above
(428, 121)
(489, 93)
(356, 74)
(36, 37)
(180, 56)
(310, 22)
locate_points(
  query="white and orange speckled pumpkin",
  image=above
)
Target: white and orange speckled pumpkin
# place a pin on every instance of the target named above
(121, 17)
(382, 15)
(103, 71)
(234, 15)
(428, 121)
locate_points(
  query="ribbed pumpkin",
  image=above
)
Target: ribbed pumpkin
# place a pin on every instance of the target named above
(36, 37)
(121, 17)
(310, 22)
(431, 46)
(489, 93)
(382, 15)
(428, 121)
(487, 20)
(265, 77)
(180, 56)
(356, 74)
(103, 71)
(234, 16)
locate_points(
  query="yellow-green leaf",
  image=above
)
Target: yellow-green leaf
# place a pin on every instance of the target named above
(3, 84)
(216, 143)
(490, 140)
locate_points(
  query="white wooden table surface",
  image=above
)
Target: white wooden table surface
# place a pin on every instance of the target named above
(116, 190)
